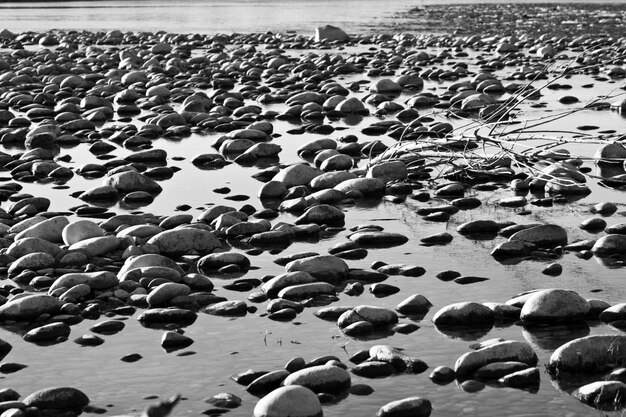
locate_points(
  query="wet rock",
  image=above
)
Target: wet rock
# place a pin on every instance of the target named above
(589, 354)
(437, 239)
(400, 361)
(161, 316)
(162, 294)
(303, 291)
(385, 86)
(48, 332)
(383, 290)
(322, 378)
(478, 227)
(611, 153)
(50, 230)
(412, 406)
(377, 316)
(32, 261)
(289, 401)
(108, 327)
(227, 308)
(545, 236)
(470, 362)
(613, 313)
(554, 269)
(322, 214)
(606, 208)
(554, 306)
(373, 369)
(415, 304)
(528, 379)
(297, 175)
(610, 244)
(365, 186)
(276, 284)
(28, 307)
(129, 181)
(358, 329)
(99, 280)
(215, 261)
(603, 395)
(378, 239)
(442, 375)
(323, 267)
(463, 313)
(225, 400)
(330, 33)
(516, 248)
(388, 171)
(183, 240)
(80, 230)
(21, 247)
(331, 313)
(57, 398)
(330, 179)
(173, 340)
(497, 370)
(96, 246)
(593, 225)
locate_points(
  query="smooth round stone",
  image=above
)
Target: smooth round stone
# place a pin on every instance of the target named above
(289, 401)
(80, 230)
(593, 225)
(442, 375)
(321, 378)
(412, 406)
(57, 398)
(554, 306)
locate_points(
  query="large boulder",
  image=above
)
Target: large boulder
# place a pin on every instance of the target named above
(554, 306)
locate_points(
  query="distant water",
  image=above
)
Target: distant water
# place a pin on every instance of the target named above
(211, 16)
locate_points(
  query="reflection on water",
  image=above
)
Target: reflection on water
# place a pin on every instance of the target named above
(550, 337)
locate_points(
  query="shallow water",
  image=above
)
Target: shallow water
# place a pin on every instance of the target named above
(227, 346)
(216, 16)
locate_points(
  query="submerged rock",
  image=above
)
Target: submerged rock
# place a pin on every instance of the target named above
(412, 406)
